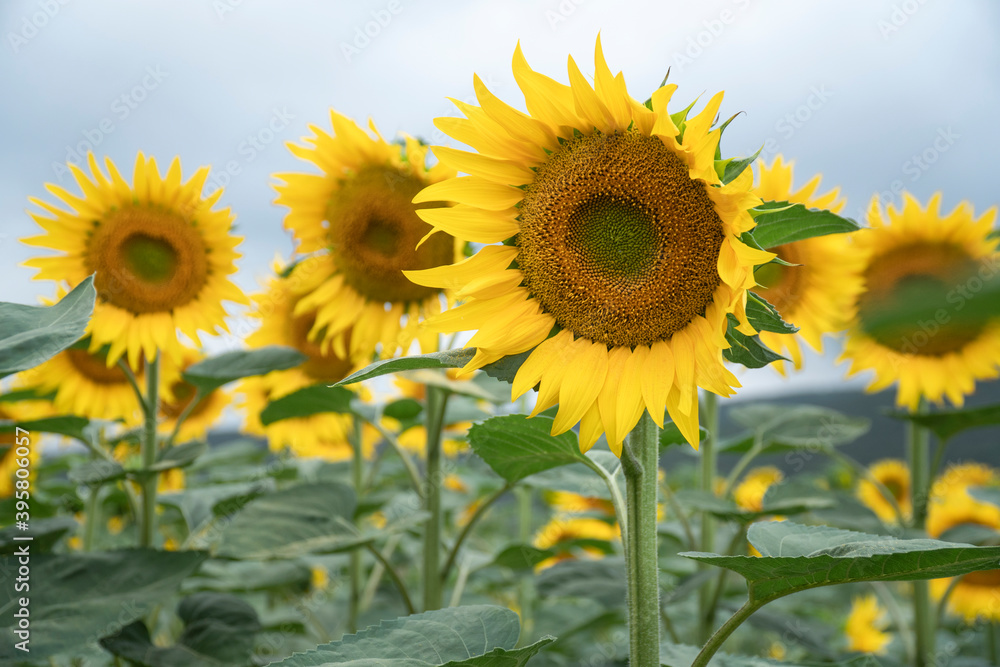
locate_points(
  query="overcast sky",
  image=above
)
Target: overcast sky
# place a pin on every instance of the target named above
(878, 96)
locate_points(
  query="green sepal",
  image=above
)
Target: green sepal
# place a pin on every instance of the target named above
(747, 350)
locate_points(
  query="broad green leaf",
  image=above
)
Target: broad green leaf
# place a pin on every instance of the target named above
(516, 446)
(795, 426)
(96, 471)
(76, 599)
(472, 636)
(946, 424)
(764, 317)
(446, 359)
(747, 350)
(179, 456)
(219, 630)
(798, 557)
(70, 426)
(44, 533)
(31, 335)
(308, 401)
(196, 503)
(308, 518)
(212, 373)
(247, 575)
(403, 409)
(726, 509)
(779, 223)
(505, 369)
(463, 387)
(521, 556)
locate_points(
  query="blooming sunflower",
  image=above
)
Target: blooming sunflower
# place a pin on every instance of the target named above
(324, 435)
(906, 252)
(749, 494)
(175, 396)
(160, 255)
(812, 295)
(359, 211)
(976, 594)
(866, 626)
(621, 256)
(959, 477)
(895, 476)
(85, 384)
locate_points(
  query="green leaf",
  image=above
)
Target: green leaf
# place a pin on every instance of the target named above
(31, 335)
(308, 518)
(747, 350)
(517, 447)
(76, 599)
(179, 456)
(798, 557)
(95, 472)
(724, 508)
(212, 373)
(219, 629)
(783, 427)
(764, 317)
(44, 533)
(946, 424)
(446, 359)
(247, 575)
(733, 167)
(308, 401)
(521, 557)
(196, 503)
(602, 580)
(472, 636)
(505, 369)
(70, 426)
(403, 409)
(30, 394)
(463, 387)
(780, 222)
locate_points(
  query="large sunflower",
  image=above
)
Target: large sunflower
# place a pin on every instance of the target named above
(324, 435)
(84, 384)
(814, 294)
(906, 252)
(976, 594)
(160, 255)
(359, 211)
(621, 255)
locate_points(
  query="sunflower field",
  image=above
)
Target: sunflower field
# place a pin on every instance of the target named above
(489, 409)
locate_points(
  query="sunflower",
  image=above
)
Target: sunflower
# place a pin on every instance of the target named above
(85, 384)
(749, 494)
(866, 626)
(959, 477)
(621, 256)
(907, 252)
(976, 594)
(895, 476)
(561, 535)
(359, 213)
(812, 295)
(575, 503)
(9, 449)
(175, 396)
(159, 253)
(324, 435)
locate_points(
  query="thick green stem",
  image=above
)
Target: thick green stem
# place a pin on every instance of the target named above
(354, 565)
(93, 517)
(640, 461)
(527, 590)
(715, 642)
(918, 449)
(150, 407)
(709, 466)
(437, 400)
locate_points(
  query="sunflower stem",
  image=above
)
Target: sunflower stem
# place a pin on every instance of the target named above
(715, 642)
(93, 512)
(354, 564)
(918, 450)
(640, 463)
(437, 400)
(149, 480)
(709, 465)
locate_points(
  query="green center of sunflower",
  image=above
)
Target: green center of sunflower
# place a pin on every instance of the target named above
(917, 273)
(152, 259)
(781, 285)
(617, 242)
(373, 234)
(146, 259)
